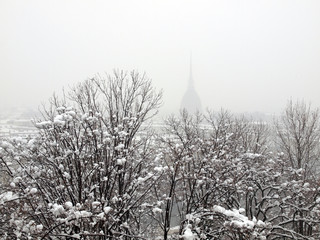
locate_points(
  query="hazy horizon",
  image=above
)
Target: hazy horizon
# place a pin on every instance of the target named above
(248, 56)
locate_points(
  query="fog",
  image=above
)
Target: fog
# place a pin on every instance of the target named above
(248, 56)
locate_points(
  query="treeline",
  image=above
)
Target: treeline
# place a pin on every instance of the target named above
(96, 170)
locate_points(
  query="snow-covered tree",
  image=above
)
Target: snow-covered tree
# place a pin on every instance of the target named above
(201, 154)
(298, 132)
(96, 171)
(222, 183)
(87, 172)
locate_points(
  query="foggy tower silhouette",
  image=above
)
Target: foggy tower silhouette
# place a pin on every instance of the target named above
(191, 101)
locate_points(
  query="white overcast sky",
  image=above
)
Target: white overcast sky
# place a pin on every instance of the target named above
(248, 55)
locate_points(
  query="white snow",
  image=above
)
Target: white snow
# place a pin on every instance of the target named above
(96, 204)
(156, 210)
(33, 190)
(43, 124)
(39, 227)
(107, 209)
(66, 175)
(237, 219)
(159, 169)
(76, 236)
(68, 205)
(61, 109)
(58, 120)
(7, 196)
(140, 180)
(188, 235)
(121, 161)
(100, 215)
(71, 113)
(57, 209)
(119, 147)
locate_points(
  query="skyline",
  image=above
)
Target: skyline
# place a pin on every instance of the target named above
(248, 56)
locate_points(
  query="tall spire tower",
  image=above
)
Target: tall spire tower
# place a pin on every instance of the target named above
(191, 101)
(191, 84)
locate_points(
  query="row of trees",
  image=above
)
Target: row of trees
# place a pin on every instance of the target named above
(98, 170)
(226, 164)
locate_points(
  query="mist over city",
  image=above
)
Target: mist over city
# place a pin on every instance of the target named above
(159, 120)
(248, 56)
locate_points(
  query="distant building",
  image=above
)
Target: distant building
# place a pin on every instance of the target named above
(191, 101)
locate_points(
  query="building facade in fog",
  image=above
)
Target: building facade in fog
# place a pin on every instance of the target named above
(191, 100)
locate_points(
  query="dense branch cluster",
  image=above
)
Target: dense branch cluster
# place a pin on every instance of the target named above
(95, 170)
(226, 185)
